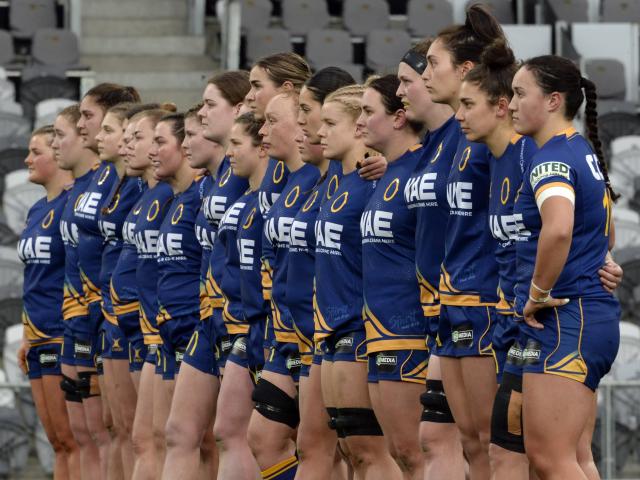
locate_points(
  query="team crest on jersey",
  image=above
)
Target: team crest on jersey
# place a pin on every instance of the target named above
(105, 175)
(278, 172)
(46, 223)
(177, 214)
(391, 190)
(548, 169)
(438, 151)
(339, 202)
(153, 211)
(225, 177)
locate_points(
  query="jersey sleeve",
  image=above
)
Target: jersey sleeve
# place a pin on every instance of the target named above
(551, 178)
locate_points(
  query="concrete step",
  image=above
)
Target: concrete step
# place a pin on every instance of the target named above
(130, 9)
(133, 27)
(195, 80)
(183, 98)
(160, 45)
(149, 63)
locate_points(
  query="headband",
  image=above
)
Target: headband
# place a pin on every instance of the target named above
(415, 60)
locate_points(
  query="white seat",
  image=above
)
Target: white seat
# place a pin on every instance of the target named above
(627, 142)
(48, 110)
(19, 196)
(528, 41)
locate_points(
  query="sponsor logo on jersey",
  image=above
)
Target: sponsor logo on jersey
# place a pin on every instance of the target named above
(508, 227)
(170, 245)
(459, 198)
(297, 234)
(147, 243)
(421, 191)
(266, 200)
(547, 170)
(35, 250)
(375, 226)
(108, 231)
(278, 230)
(214, 207)
(246, 249)
(462, 336)
(231, 217)
(48, 360)
(87, 205)
(531, 353)
(206, 237)
(515, 354)
(328, 237)
(69, 232)
(386, 362)
(128, 233)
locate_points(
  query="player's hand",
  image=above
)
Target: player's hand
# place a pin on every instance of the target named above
(22, 357)
(372, 168)
(611, 275)
(531, 308)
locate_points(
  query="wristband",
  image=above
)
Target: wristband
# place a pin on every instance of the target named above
(541, 290)
(540, 300)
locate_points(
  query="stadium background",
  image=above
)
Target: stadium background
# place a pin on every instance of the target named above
(51, 51)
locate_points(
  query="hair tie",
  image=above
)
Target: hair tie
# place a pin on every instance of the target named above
(415, 60)
(584, 82)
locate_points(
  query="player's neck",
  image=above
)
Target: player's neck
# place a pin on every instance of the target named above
(57, 183)
(256, 177)
(352, 157)
(554, 126)
(437, 116)
(399, 144)
(183, 178)
(498, 140)
(87, 161)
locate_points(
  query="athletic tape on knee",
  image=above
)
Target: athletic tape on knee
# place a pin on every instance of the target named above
(70, 388)
(274, 404)
(88, 385)
(436, 406)
(506, 417)
(358, 421)
(332, 423)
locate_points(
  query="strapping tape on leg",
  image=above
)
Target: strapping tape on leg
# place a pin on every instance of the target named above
(358, 421)
(274, 404)
(70, 388)
(88, 384)
(436, 406)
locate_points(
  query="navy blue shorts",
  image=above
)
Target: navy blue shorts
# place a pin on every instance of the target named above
(79, 350)
(114, 343)
(466, 331)
(284, 359)
(176, 334)
(137, 357)
(345, 347)
(201, 350)
(44, 360)
(129, 323)
(505, 336)
(579, 340)
(398, 366)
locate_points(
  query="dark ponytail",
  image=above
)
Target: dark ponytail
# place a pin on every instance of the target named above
(495, 72)
(558, 74)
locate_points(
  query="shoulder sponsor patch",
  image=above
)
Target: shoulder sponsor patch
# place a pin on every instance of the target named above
(547, 170)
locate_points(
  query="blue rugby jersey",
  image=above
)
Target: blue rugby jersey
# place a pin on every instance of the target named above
(469, 271)
(393, 315)
(124, 291)
(91, 243)
(339, 301)
(226, 190)
(179, 257)
(233, 313)
(302, 258)
(206, 236)
(426, 193)
(275, 248)
(74, 304)
(506, 179)
(155, 203)
(566, 166)
(121, 200)
(275, 178)
(42, 251)
(249, 240)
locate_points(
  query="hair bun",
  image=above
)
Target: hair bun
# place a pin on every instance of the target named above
(497, 55)
(169, 107)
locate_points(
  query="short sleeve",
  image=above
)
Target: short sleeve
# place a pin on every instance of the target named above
(551, 178)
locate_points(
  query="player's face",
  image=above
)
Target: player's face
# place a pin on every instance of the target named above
(198, 149)
(337, 132)
(309, 115)
(309, 152)
(262, 91)
(413, 93)
(375, 124)
(141, 144)
(109, 137)
(91, 116)
(67, 143)
(40, 161)
(528, 103)
(477, 116)
(166, 152)
(217, 114)
(243, 154)
(126, 149)
(441, 77)
(280, 127)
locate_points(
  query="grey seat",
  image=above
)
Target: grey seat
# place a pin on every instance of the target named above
(54, 46)
(621, 11)
(15, 131)
(609, 76)
(27, 16)
(266, 42)
(385, 48)
(35, 90)
(570, 10)
(501, 9)
(425, 18)
(328, 46)
(362, 16)
(255, 14)
(7, 53)
(48, 110)
(300, 16)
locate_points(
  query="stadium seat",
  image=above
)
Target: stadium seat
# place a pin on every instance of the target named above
(35, 90)
(609, 76)
(19, 196)
(620, 11)
(15, 130)
(425, 18)
(266, 42)
(53, 52)
(48, 110)
(12, 159)
(11, 106)
(615, 125)
(300, 16)
(325, 47)
(7, 52)
(501, 9)
(570, 10)
(529, 41)
(7, 90)
(627, 224)
(362, 16)
(255, 15)
(385, 48)
(27, 16)
(629, 291)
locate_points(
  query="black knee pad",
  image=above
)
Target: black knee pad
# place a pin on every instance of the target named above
(436, 406)
(333, 421)
(88, 385)
(357, 421)
(506, 417)
(274, 404)
(70, 388)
